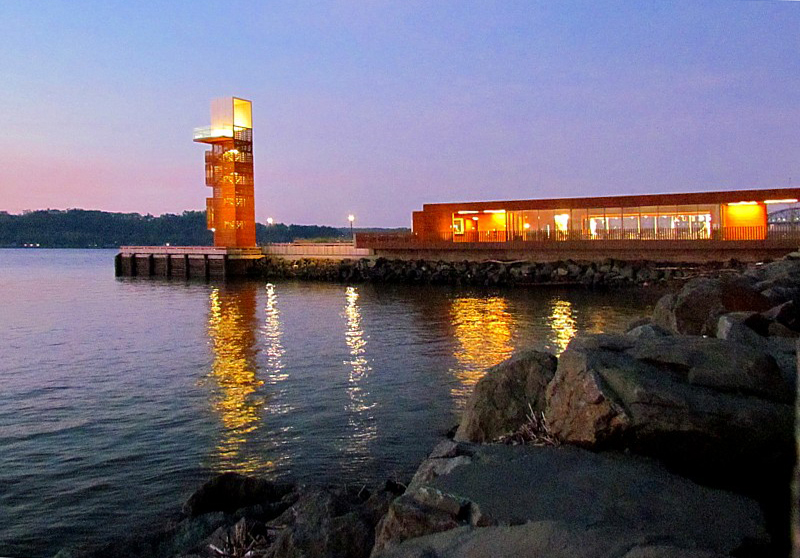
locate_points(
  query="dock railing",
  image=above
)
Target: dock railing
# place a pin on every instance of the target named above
(772, 232)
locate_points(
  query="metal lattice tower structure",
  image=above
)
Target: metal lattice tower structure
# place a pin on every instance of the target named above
(230, 212)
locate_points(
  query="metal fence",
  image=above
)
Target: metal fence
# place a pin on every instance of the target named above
(788, 231)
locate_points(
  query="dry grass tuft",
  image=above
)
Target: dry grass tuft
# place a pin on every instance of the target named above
(240, 543)
(533, 432)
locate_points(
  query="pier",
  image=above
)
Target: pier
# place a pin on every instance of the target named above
(206, 262)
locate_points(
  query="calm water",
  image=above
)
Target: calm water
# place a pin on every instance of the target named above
(119, 396)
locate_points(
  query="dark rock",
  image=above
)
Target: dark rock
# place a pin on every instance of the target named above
(332, 522)
(506, 395)
(228, 492)
(408, 518)
(787, 314)
(696, 308)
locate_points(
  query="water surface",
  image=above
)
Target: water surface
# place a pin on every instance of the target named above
(119, 396)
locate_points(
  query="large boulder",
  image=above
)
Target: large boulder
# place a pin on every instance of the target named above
(548, 539)
(329, 523)
(228, 492)
(545, 501)
(695, 308)
(506, 395)
(707, 405)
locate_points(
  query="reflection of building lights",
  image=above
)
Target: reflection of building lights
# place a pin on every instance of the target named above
(744, 203)
(474, 218)
(467, 212)
(359, 420)
(562, 323)
(494, 210)
(526, 226)
(483, 330)
(780, 201)
(273, 333)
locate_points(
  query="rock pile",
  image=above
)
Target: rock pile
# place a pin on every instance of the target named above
(607, 273)
(235, 516)
(676, 439)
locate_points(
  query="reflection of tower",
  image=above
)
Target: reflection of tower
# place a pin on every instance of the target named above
(483, 329)
(230, 212)
(231, 328)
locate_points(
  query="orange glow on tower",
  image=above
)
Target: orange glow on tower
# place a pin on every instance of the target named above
(230, 212)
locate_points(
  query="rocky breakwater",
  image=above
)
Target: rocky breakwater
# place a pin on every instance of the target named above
(674, 439)
(606, 273)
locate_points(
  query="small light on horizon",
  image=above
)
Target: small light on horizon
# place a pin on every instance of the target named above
(269, 220)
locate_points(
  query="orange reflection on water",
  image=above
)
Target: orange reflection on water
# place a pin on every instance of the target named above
(483, 329)
(231, 330)
(359, 418)
(562, 324)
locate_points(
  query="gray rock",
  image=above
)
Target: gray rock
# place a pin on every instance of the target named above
(695, 309)
(581, 502)
(733, 327)
(717, 363)
(407, 518)
(548, 539)
(647, 331)
(504, 397)
(433, 467)
(324, 523)
(642, 398)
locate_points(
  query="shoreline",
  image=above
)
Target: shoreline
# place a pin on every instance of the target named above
(719, 346)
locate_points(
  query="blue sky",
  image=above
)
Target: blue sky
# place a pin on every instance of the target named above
(375, 108)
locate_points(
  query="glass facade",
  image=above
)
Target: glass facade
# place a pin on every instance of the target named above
(738, 220)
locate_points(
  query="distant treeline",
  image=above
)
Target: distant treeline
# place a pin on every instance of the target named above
(78, 228)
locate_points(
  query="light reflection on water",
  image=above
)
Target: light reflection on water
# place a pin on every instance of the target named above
(359, 420)
(120, 396)
(231, 332)
(483, 329)
(562, 323)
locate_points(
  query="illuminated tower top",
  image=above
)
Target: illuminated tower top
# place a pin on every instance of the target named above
(230, 212)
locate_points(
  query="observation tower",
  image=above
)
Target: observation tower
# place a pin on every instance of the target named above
(230, 211)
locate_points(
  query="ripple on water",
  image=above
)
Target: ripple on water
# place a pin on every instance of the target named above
(120, 396)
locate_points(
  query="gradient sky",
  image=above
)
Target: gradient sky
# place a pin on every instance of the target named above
(374, 107)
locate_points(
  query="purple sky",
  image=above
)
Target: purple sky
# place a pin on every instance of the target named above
(375, 108)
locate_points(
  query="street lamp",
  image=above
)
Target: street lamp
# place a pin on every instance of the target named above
(352, 218)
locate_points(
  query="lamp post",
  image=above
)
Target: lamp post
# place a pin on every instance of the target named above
(352, 218)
